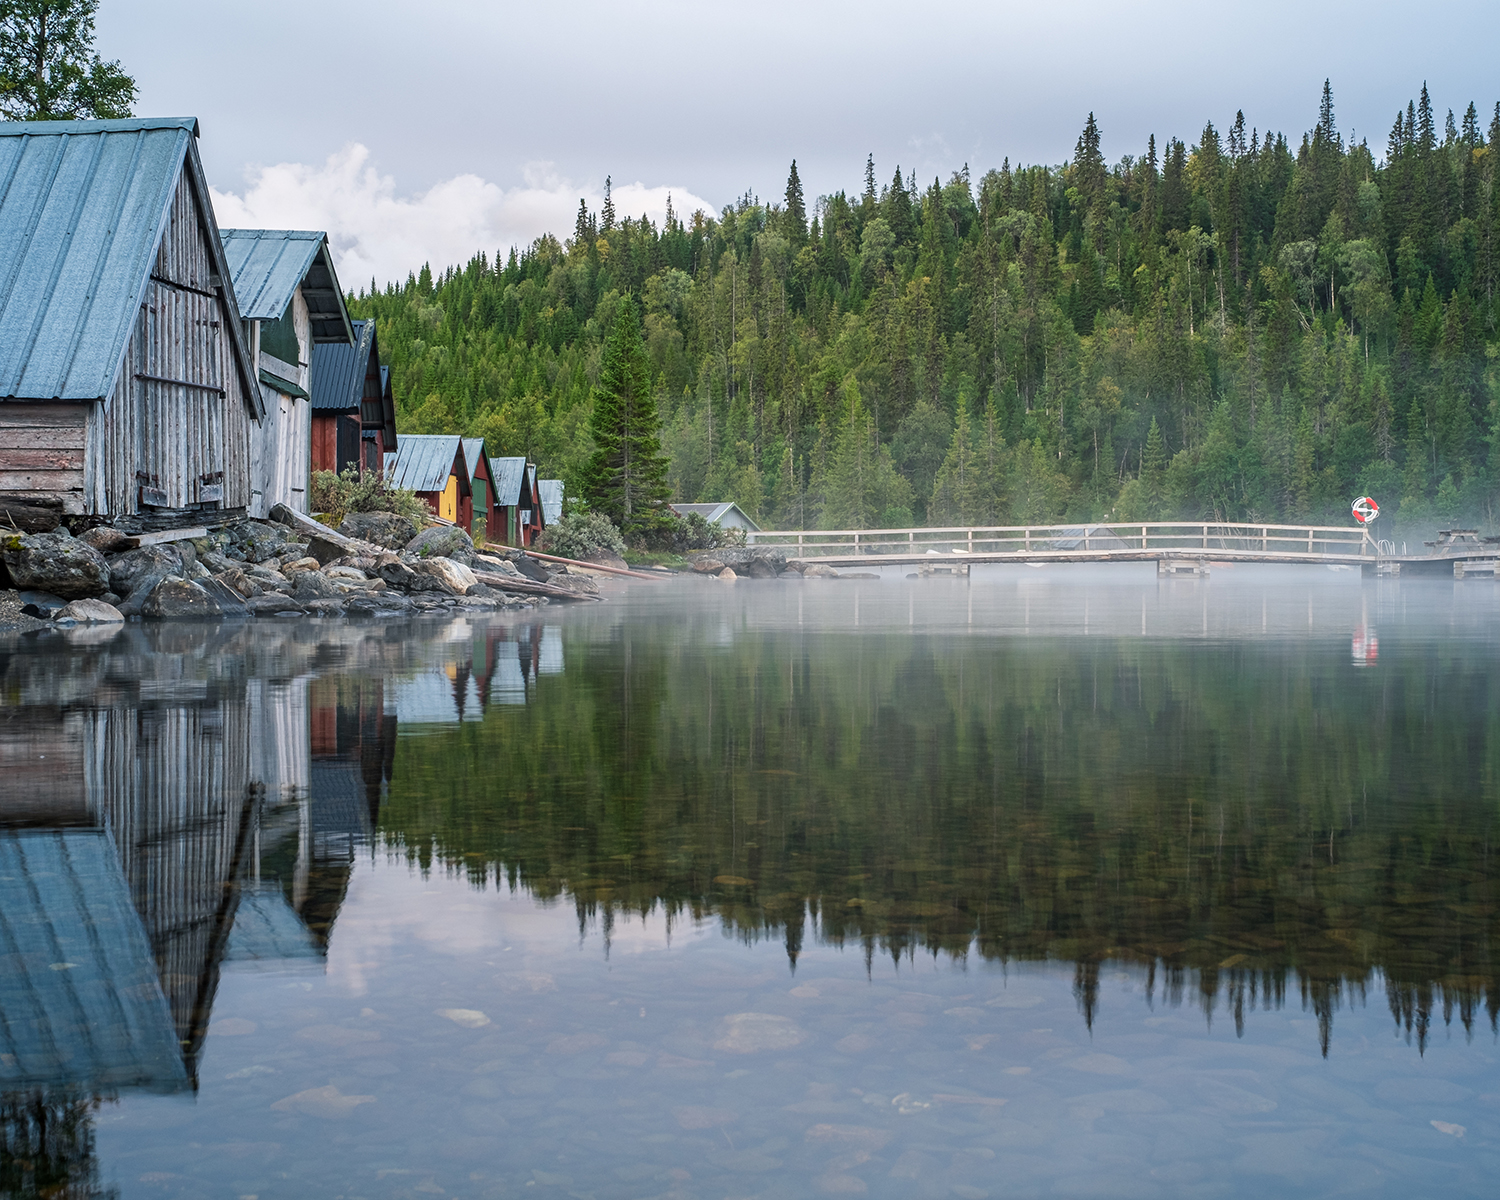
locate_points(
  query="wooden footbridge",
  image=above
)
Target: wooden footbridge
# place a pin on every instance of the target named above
(1176, 547)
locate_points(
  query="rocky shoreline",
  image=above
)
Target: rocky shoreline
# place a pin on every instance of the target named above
(290, 567)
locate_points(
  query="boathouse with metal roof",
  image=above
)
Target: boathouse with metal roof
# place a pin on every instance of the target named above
(126, 384)
(434, 466)
(291, 301)
(353, 409)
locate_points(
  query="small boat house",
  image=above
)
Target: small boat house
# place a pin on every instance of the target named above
(353, 410)
(126, 384)
(291, 301)
(518, 516)
(482, 487)
(433, 466)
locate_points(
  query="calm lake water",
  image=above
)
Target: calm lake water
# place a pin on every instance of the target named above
(1060, 882)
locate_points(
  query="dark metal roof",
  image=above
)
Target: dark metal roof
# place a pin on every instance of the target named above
(269, 265)
(338, 370)
(424, 461)
(83, 206)
(509, 475)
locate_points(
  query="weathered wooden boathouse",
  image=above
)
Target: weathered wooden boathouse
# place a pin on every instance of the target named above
(290, 300)
(126, 384)
(353, 410)
(433, 465)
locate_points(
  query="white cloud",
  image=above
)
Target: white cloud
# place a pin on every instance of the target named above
(377, 233)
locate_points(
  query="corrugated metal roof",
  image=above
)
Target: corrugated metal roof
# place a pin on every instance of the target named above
(338, 370)
(424, 461)
(269, 265)
(80, 1002)
(509, 475)
(83, 205)
(551, 492)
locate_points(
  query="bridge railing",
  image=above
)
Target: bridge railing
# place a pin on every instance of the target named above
(1179, 536)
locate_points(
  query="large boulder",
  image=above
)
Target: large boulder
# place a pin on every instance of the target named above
(441, 541)
(55, 562)
(531, 569)
(383, 529)
(230, 602)
(178, 599)
(447, 576)
(90, 612)
(395, 572)
(314, 585)
(325, 550)
(135, 574)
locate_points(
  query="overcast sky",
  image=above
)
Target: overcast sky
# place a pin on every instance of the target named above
(429, 131)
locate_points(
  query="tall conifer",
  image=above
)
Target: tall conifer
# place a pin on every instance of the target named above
(626, 479)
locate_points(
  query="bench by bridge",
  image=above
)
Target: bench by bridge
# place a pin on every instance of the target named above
(1171, 544)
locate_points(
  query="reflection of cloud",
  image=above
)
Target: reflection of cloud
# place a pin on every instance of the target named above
(376, 233)
(390, 905)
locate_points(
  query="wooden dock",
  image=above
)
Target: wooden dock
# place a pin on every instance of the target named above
(1176, 547)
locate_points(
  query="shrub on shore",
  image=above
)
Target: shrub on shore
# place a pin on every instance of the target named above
(353, 491)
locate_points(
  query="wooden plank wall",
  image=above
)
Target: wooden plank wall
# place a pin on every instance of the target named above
(43, 452)
(281, 446)
(172, 783)
(174, 436)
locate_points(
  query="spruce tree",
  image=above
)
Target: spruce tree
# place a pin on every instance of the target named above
(795, 216)
(626, 479)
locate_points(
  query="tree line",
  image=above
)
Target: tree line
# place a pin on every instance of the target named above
(1237, 328)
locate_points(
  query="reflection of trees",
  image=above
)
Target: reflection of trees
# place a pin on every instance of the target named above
(47, 1147)
(1238, 822)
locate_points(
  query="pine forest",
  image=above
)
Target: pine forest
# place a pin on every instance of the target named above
(1247, 327)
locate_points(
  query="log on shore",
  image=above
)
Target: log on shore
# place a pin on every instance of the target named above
(30, 517)
(283, 515)
(529, 587)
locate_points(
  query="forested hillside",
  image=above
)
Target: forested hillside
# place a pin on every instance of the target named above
(1240, 327)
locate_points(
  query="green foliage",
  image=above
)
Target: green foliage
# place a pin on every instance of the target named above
(49, 70)
(1299, 324)
(683, 535)
(582, 535)
(354, 491)
(626, 479)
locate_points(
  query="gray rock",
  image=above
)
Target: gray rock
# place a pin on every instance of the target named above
(441, 541)
(607, 558)
(267, 578)
(42, 605)
(759, 568)
(142, 569)
(314, 585)
(178, 599)
(216, 561)
(230, 602)
(452, 577)
(324, 608)
(530, 568)
(325, 550)
(379, 604)
(496, 566)
(91, 612)
(236, 578)
(55, 562)
(396, 573)
(270, 604)
(383, 529)
(707, 564)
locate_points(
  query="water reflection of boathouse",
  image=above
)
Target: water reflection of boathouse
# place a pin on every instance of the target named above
(161, 815)
(478, 667)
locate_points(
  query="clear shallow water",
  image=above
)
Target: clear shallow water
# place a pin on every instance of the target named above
(1058, 882)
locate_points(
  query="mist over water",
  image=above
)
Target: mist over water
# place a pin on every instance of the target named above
(1045, 881)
